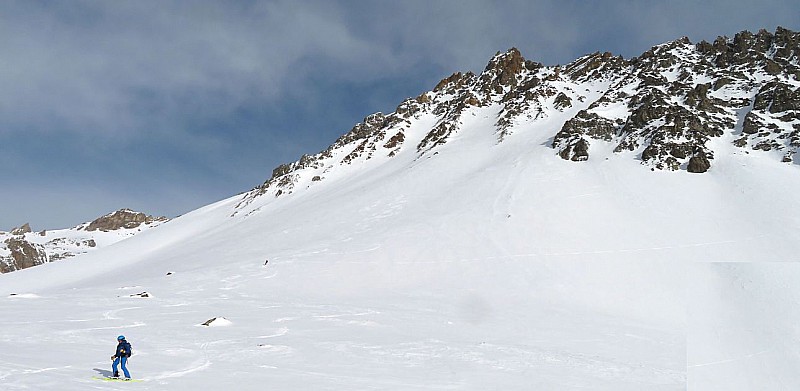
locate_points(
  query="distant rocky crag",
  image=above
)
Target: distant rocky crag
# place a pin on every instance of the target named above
(22, 254)
(123, 218)
(21, 248)
(664, 108)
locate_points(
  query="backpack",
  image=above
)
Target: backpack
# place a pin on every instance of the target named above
(128, 349)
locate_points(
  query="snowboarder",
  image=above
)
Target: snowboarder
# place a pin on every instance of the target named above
(121, 357)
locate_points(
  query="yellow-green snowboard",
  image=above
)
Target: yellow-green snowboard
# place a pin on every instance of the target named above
(119, 379)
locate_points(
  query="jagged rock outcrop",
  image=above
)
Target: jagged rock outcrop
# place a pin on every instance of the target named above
(682, 95)
(662, 108)
(123, 218)
(22, 255)
(774, 121)
(21, 248)
(572, 137)
(698, 163)
(21, 230)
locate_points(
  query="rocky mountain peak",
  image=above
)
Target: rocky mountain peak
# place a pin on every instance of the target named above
(123, 218)
(504, 70)
(509, 61)
(662, 108)
(25, 228)
(775, 53)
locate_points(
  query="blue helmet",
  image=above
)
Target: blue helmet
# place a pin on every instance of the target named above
(120, 338)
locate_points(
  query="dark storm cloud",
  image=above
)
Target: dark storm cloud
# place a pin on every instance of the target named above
(204, 97)
(88, 66)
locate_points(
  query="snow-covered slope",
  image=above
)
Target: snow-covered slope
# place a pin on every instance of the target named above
(463, 254)
(746, 326)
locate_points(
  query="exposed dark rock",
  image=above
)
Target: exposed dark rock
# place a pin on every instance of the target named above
(570, 141)
(26, 228)
(218, 320)
(577, 152)
(776, 102)
(395, 141)
(453, 83)
(751, 123)
(580, 151)
(698, 164)
(503, 71)
(23, 255)
(208, 322)
(722, 82)
(438, 135)
(784, 98)
(594, 66)
(562, 102)
(371, 124)
(123, 218)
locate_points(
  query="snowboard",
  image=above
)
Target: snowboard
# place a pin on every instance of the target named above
(119, 379)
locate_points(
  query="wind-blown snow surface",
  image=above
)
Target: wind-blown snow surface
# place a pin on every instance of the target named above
(482, 266)
(746, 331)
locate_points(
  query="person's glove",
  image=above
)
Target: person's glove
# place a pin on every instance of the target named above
(113, 358)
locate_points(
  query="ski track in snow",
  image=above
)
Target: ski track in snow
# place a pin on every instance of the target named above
(281, 332)
(731, 359)
(15, 372)
(113, 314)
(126, 326)
(197, 366)
(346, 382)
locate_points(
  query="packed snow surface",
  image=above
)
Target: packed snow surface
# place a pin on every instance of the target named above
(481, 266)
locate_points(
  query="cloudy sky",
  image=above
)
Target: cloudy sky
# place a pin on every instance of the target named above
(166, 106)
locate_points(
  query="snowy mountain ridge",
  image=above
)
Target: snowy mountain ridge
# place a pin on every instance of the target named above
(664, 108)
(21, 248)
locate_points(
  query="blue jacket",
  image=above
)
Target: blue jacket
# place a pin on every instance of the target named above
(123, 349)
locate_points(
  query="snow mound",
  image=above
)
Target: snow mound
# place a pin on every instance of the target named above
(24, 296)
(217, 322)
